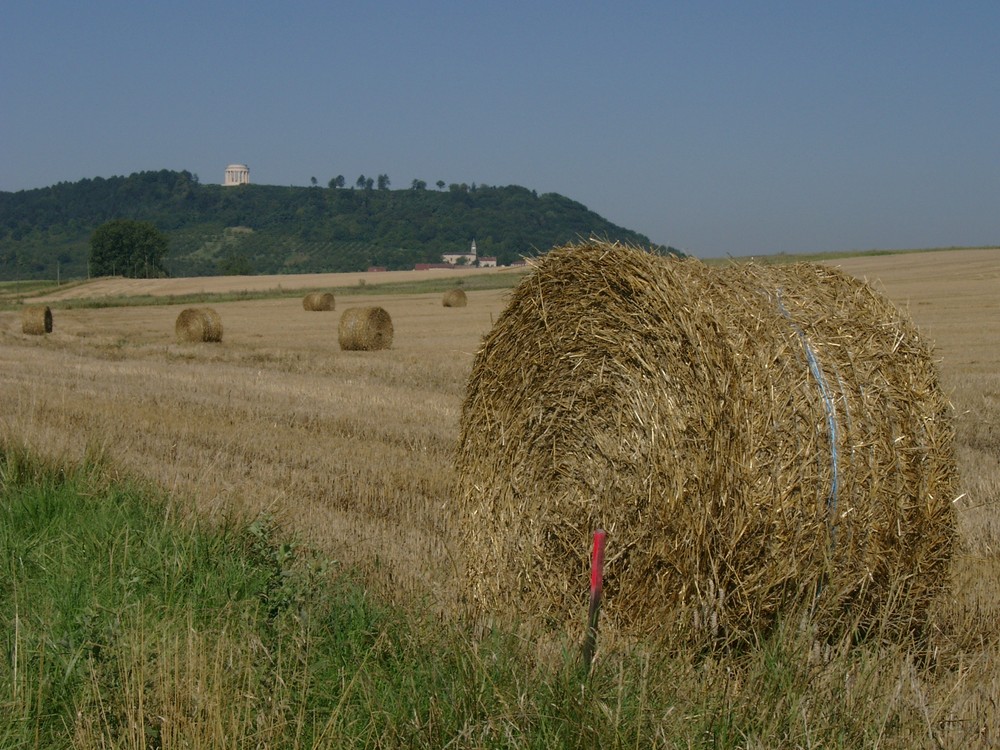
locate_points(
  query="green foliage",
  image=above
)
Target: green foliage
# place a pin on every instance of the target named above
(275, 229)
(124, 628)
(88, 567)
(124, 247)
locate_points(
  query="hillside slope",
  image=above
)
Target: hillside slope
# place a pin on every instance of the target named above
(268, 229)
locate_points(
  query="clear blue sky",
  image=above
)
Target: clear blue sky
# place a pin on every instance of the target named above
(716, 127)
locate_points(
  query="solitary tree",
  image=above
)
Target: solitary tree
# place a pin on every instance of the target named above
(383, 182)
(123, 247)
(337, 182)
(440, 184)
(361, 182)
(313, 181)
(418, 185)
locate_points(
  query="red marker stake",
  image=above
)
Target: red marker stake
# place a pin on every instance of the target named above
(596, 587)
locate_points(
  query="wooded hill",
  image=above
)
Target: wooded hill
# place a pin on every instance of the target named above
(265, 229)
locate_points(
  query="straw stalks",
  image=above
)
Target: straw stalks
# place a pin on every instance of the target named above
(198, 324)
(318, 302)
(455, 298)
(757, 441)
(365, 329)
(36, 320)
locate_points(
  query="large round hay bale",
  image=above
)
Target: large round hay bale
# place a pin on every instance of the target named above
(36, 320)
(759, 442)
(455, 298)
(198, 324)
(365, 329)
(318, 301)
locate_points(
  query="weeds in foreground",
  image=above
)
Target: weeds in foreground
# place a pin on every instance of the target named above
(125, 627)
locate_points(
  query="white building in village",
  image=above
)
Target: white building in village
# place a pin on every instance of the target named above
(465, 259)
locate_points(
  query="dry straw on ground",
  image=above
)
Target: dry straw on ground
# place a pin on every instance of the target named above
(365, 329)
(36, 320)
(198, 324)
(318, 301)
(756, 440)
(454, 298)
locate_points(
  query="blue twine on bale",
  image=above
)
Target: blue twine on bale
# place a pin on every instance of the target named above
(831, 420)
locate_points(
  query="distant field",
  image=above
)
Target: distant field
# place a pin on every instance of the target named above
(121, 287)
(351, 449)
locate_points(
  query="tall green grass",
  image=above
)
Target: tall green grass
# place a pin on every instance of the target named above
(126, 626)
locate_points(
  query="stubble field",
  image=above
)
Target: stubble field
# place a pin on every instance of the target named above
(350, 450)
(353, 451)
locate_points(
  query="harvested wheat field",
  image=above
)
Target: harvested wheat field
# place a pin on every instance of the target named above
(118, 286)
(355, 451)
(352, 450)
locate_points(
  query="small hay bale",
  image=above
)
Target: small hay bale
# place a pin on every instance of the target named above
(198, 324)
(455, 298)
(318, 301)
(758, 442)
(36, 320)
(365, 329)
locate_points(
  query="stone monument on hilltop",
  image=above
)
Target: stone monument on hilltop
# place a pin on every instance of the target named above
(237, 174)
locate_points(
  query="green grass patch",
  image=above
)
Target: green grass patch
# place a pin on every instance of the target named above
(13, 293)
(126, 627)
(8, 288)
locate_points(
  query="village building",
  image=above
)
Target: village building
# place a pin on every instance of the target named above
(464, 259)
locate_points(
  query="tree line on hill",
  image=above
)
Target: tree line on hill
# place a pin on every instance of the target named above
(263, 229)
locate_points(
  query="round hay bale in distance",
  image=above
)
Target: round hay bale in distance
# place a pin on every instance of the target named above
(757, 442)
(318, 301)
(365, 329)
(198, 324)
(36, 320)
(455, 298)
